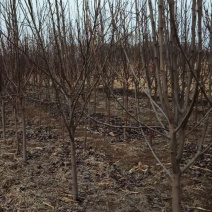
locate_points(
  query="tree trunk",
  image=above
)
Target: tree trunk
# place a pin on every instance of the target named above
(108, 104)
(126, 105)
(3, 120)
(176, 172)
(86, 126)
(24, 129)
(74, 168)
(63, 130)
(95, 100)
(176, 192)
(16, 130)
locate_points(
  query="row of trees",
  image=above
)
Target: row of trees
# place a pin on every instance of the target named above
(161, 49)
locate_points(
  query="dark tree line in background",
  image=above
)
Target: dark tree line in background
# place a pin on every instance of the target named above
(162, 49)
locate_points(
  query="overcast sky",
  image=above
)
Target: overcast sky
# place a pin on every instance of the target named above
(72, 6)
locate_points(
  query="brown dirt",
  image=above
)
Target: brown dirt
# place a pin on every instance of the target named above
(121, 176)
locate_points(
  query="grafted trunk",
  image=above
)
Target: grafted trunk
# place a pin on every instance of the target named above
(176, 192)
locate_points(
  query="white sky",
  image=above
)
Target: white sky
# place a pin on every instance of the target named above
(72, 4)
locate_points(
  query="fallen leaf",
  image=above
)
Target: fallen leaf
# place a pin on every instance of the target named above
(111, 134)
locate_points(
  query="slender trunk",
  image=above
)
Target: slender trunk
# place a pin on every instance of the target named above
(96, 93)
(196, 113)
(176, 172)
(16, 131)
(40, 97)
(176, 192)
(74, 167)
(35, 87)
(3, 120)
(108, 120)
(156, 95)
(126, 104)
(108, 104)
(63, 129)
(85, 135)
(48, 96)
(136, 100)
(87, 126)
(24, 129)
(123, 97)
(95, 100)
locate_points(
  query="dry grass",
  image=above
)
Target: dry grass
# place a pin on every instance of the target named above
(112, 176)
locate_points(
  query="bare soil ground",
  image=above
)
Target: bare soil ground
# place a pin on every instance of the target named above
(119, 176)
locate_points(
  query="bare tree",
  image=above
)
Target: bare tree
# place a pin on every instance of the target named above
(151, 48)
(15, 66)
(178, 84)
(71, 65)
